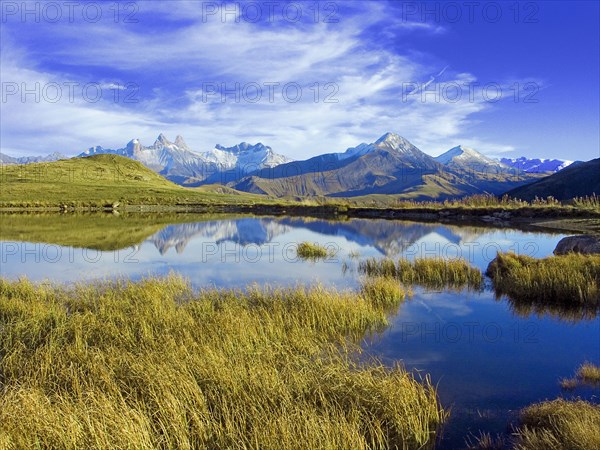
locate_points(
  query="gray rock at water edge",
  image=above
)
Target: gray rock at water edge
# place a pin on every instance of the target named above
(585, 243)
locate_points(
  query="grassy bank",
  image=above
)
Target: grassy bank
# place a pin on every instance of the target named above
(154, 365)
(111, 181)
(559, 424)
(566, 283)
(436, 273)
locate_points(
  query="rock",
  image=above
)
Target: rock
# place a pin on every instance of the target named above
(585, 243)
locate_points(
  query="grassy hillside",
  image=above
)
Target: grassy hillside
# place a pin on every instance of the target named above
(578, 180)
(99, 181)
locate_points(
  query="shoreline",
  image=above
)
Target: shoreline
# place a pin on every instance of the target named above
(551, 218)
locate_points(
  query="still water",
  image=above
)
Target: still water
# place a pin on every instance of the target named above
(488, 357)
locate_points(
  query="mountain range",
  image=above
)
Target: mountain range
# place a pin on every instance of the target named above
(390, 165)
(578, 180)
(176, 162)
(389, 238)
(536, 165)
(6, 160)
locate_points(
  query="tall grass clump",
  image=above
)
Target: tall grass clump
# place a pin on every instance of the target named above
(436, 273)
(588, 202)
(155, 365)
(384, 292)
(559, 424)
(589, 373)
(309, 250)
(569, 281)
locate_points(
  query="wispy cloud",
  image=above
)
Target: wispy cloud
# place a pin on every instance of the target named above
(352, 85)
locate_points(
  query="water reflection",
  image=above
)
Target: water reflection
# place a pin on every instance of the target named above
(235, 251)
(569, 311)
(489, 356)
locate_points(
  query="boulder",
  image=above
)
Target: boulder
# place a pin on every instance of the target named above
(585, 243)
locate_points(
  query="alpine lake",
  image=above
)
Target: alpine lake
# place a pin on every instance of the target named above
(487, 356)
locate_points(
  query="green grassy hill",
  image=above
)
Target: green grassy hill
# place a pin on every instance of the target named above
(103, 180)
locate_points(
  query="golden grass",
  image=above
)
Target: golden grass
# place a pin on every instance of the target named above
(586, 373)
(559, 424)
(568, 384)
(309, 250)
(383, 292)
(589, 373)
(434, 273)
(154, 365)
(570, 282)
(485, 441)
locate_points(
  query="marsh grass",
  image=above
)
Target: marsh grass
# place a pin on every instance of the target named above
(568, 284)
(568, 384)
(384, 292)
(589, 373)
(485, 441)
(312, 251)
(559, 424)
(588, 202)
(152, 364)
(435, 273)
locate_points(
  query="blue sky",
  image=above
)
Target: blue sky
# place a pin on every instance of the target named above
(506, 78)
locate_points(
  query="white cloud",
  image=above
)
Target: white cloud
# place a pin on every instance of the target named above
(170, 64)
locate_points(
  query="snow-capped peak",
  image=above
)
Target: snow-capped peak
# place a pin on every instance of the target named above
(179, 142)
(536, 165)
(389, 141)
(244, 147)
(394, 142)
(467, 156)
(162, 140)
(176, 161)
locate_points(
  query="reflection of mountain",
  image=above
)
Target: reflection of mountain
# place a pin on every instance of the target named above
(241, 231)
(391, 238)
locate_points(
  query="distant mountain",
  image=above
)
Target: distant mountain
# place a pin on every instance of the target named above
(390, 165)
(178, 163)
(535, 165)
(577, 180)
(6, 160)
(466, 158)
